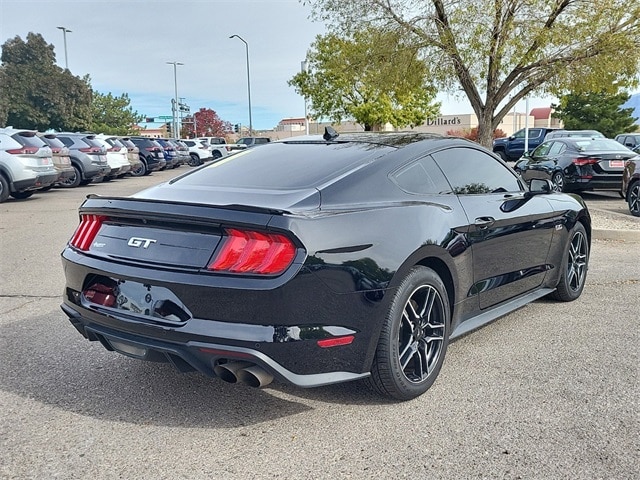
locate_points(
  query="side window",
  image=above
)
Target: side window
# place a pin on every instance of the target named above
(541, 150)
(470, 171)
(421, 177)
(535, 132)
(557, 148)
(67, 141)
(519, 134)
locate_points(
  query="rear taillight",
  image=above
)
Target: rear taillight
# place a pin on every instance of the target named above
(585, 161)
(90, 150)
(153, 149)
(24, 151)
(55, 150)
(254, 252)
(87, 231)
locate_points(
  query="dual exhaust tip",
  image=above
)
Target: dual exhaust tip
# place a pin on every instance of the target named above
(243, 372)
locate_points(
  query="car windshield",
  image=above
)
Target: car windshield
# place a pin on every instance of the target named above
(600, 145)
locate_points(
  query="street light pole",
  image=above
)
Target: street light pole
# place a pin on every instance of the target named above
(176, 132)
(303, 67)
(246, 45)
(64, 36)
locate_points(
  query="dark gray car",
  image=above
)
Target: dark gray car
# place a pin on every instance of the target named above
(88, 158)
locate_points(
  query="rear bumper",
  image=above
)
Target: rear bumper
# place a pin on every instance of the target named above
(197, 356)
(595, 182)
(36, 182)
(276, 327)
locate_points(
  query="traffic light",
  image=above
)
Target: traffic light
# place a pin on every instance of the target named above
(236, 127)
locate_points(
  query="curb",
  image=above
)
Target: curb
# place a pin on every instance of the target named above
(620, 235)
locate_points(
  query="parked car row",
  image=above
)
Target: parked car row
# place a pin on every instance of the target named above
(31, 161)
(584, 160)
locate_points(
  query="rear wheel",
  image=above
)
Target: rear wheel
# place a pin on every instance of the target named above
(574, 266)
(194, 160)
(4, 189)
(633, 199)
(414, 337)
(140, 169)
(558, 181)
(72, 181)
(216, 155)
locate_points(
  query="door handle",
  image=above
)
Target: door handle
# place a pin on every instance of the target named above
(484, 222)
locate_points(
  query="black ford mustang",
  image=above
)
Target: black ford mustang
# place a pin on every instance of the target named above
(322, 260)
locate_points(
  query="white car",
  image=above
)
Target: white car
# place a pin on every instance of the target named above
(26, 164)
(116, 156)
(198, 151)
(217, 145)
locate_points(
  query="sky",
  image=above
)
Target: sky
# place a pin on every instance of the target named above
(124, 46)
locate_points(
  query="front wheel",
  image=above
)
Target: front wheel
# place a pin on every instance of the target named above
(633, 199)
(414, 337)
(575, 263)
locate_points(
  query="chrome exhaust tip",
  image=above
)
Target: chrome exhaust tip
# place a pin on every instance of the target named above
(254, 376)
(229, 371)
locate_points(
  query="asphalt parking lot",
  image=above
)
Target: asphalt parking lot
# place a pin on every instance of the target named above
(549, 391)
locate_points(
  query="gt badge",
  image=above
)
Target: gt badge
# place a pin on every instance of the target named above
(137, 242)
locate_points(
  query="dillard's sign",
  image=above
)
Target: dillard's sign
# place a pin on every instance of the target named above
(443, 121)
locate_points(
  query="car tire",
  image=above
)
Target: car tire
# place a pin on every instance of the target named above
(558, 181)
(140, 170)
(575, 263)
(414, 337)
(21, 195)
(633, 198)
(74, 180)
(216, 155)
(4, 189)
(194, 160)
(502, 155)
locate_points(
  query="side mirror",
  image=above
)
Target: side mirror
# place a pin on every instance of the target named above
(538, 185)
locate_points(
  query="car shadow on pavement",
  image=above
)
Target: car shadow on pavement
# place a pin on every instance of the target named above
(44, 359)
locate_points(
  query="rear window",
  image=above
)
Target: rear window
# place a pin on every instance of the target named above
(92, 142)
(114, 142)
(53, 142)
(600, 145)
(28, 139)
(285, 166)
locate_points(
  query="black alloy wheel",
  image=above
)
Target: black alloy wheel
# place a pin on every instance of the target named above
(414, 337)
(140, 170)
(216, 155)
(194, 160)
(72, 181)
(558, 181)
(633, 198)
(574, 266)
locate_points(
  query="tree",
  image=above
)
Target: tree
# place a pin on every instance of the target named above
(371, 76)
(500, 51)
(207, 124)
(36, 92)
(113, 115)
(596, 111)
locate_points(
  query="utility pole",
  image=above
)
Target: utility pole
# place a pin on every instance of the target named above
(176, 132)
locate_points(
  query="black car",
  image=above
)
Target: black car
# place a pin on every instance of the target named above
(151, 155)
(577, 164)
(322, 261)
(631, 185)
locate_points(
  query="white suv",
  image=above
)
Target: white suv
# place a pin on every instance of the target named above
(116, 156)
(217, 145)
(198, 151)
(26, 164)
